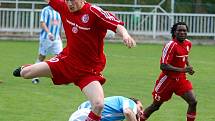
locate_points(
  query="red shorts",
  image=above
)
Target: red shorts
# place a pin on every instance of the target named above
(63, 73)
(166, 86)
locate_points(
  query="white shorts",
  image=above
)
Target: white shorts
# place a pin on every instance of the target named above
(50, 47)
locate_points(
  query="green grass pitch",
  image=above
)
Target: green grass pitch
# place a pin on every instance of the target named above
(129, 72)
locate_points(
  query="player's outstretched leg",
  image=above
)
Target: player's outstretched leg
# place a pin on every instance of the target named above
(17, 71)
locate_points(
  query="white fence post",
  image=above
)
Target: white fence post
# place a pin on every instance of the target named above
(32, 18)
(154, 23)
(16, 12)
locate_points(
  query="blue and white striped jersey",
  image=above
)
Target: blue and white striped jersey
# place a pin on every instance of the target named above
(114, 107)
(53, 21)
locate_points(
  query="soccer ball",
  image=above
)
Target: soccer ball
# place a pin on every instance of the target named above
(80, 115)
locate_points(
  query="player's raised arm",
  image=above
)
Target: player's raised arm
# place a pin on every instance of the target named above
(107, 20)
(127, 39)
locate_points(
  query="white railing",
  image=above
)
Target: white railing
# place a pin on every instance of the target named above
(160, 23)
(26, 20)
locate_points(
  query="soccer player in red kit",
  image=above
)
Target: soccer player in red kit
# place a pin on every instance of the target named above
(83, 58)
(174, 64)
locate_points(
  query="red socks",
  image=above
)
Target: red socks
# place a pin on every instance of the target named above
(191, 116)
(93, 117)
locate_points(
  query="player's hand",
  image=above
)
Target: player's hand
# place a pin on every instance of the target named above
(129, 41)
(189, 70)
(51, 36)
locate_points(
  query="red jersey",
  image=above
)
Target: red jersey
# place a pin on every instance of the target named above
(175, 53)
(85, 31)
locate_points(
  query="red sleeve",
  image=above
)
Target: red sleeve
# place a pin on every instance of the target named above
(168, 52)
(189, 45)
(105, 18)
(58, 5)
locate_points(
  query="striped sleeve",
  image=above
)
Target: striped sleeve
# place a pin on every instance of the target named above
(46, 19)
(167, 53)
(189, 44)
(106, 19)
(43, 15)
